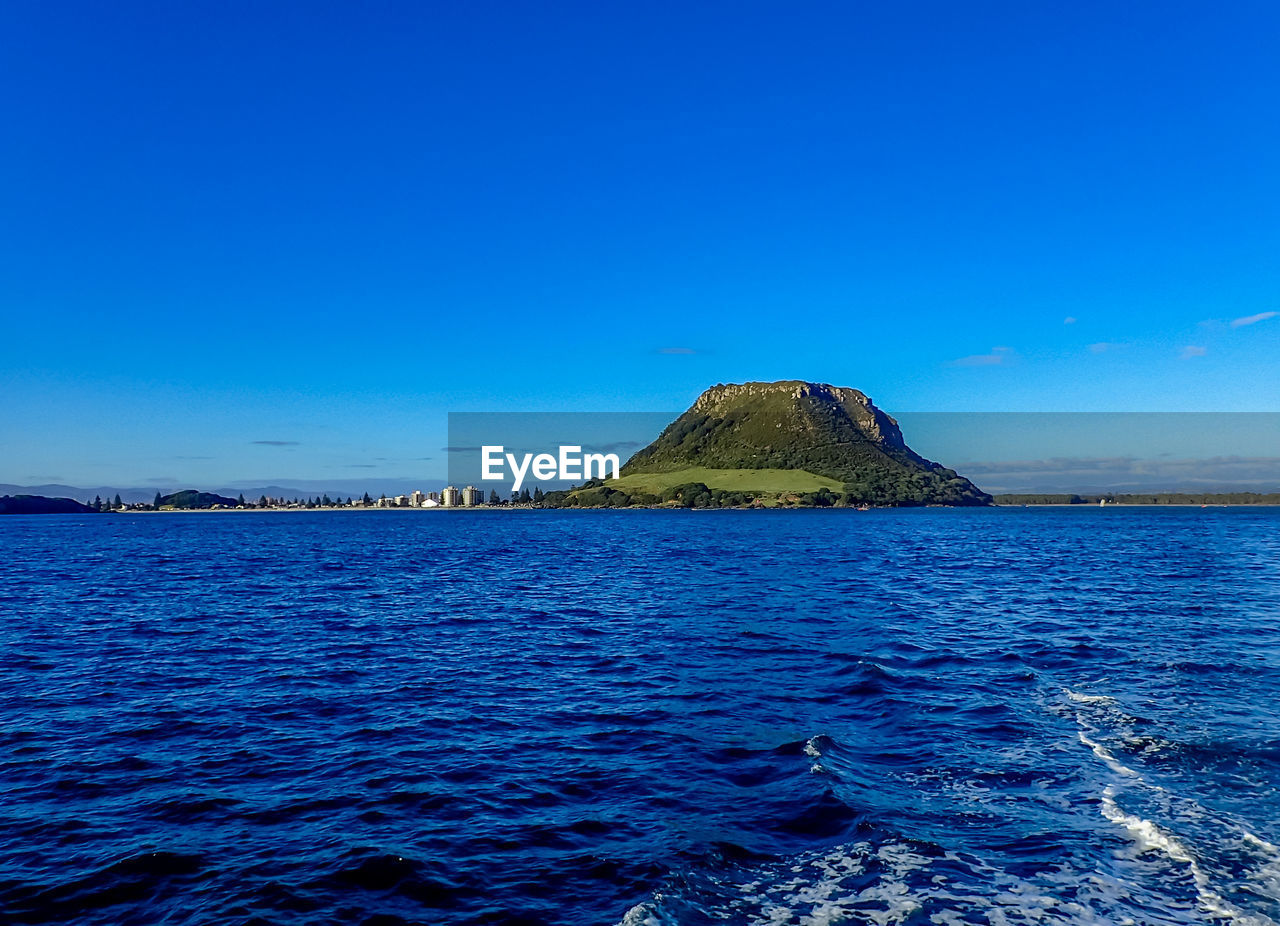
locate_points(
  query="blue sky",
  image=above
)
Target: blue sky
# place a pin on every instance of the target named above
(271, 241)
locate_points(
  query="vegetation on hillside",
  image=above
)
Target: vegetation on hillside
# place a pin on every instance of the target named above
(755, 481)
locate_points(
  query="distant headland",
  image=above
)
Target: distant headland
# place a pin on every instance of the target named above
(39, 504)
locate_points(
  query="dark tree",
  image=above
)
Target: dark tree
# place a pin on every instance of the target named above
(97, 503)
(240, 500)
(493, 497)
(367, 500)
(156, 502)
(537, 493)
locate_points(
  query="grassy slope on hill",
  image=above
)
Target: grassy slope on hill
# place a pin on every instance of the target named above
(732, 480)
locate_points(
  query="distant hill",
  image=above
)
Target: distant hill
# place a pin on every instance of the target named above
(190, 498)
(818, 443)
(302, 488)
(39, 504)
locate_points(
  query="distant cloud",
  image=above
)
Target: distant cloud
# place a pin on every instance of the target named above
(1103, 346)
(997, 356)
(1253, 319)
(275, 443)
(461, 449)
(1194, 350)
(1069, 320)
(1052, 465)
(676, 350)
(616, 445)
(1126, 473)
(362, 466)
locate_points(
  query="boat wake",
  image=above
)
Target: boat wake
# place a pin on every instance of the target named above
(1176, 861)
(1248, 863)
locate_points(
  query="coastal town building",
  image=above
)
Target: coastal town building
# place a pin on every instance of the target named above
(450, 497)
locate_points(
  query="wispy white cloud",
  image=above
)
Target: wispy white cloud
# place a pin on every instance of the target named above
(1194, 350)
(1126, 473)
(1252, 319)
(1101, 347)
(1069, 320)
(997, 356)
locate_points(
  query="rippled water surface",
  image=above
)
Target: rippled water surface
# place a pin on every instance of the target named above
(1000, 716)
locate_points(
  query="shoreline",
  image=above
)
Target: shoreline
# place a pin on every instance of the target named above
(505, 508)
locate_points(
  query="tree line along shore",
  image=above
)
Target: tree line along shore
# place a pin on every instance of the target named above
(1143, 498)
(684, 496)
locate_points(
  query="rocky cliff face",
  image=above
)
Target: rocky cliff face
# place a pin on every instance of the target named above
(830, 430)
(874, 423)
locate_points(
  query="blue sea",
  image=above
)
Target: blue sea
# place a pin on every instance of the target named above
(1006, 716)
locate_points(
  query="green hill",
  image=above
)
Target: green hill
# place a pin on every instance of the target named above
(791, 441)
(190, 498)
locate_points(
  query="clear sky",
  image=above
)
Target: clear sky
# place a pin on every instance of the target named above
(282, 240)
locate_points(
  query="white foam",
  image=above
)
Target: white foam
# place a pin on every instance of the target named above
(829, 888)
(1265, 879)
(1259, 843)
(1112, 762)
(1088, 698)
(646, 914)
